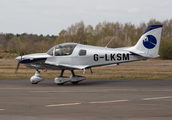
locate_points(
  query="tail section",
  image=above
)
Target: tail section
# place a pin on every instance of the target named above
(148, 44)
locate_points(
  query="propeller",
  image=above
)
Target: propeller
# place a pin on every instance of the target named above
(18, 64)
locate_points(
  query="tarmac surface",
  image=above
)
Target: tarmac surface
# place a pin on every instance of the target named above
(89, 100)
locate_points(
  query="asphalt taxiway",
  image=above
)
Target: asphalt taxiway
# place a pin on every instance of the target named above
(89, 100)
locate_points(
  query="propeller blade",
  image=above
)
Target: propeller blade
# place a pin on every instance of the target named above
(17, 66)
(18, 63)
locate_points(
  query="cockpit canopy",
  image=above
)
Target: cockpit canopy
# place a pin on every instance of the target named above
(62, 49)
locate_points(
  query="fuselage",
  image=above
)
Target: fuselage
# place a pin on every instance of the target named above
(81, 57)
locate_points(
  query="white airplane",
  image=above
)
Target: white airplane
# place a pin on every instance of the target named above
(72, 56)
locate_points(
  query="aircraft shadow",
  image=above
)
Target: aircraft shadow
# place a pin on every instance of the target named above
(88, 82)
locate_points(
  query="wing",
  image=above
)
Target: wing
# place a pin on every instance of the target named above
(65, 66)
(42, 63)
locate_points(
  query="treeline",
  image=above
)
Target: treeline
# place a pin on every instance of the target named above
(26, 43)
(124, 35)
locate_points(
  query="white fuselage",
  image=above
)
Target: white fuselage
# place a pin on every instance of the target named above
(93, 56)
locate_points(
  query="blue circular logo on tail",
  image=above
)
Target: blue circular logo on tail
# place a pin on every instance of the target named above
(149, 42)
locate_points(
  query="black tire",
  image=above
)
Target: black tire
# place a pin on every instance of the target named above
(74, 83)
(60, 83)
(35, 83)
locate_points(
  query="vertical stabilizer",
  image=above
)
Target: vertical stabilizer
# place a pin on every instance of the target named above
(148, 44)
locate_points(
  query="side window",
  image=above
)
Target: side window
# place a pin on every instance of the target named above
(82, 52)
(62, 49)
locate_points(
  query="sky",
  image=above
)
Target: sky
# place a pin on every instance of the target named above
(49, 17)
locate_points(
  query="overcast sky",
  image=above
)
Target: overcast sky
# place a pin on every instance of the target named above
(51, 16)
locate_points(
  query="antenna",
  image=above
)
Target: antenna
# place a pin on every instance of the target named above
(109, 42)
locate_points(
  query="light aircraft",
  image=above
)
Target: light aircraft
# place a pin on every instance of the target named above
(72, 56)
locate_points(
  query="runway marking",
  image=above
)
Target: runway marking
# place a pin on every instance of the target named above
(102, 102)
(156, 98)
(110, 101)
(56, 105)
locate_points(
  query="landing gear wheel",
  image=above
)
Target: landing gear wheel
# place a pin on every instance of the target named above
(35, 83)
(36, 78)
(60, 83)
(75, 83)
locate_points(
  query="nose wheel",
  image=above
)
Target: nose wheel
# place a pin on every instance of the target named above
(36, 78)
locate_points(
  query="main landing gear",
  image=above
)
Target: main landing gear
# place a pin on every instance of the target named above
(74, 79)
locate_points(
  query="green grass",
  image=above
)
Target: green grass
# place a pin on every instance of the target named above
(136, 72)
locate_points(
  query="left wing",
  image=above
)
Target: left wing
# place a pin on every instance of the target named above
(67, 66)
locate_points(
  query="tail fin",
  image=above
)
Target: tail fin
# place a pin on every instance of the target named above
(148, 44)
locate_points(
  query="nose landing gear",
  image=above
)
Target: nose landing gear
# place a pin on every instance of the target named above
(36, 78)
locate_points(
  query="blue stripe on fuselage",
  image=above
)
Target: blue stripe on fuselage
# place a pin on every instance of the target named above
(32, 60)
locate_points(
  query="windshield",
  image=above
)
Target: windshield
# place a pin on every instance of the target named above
(50, 52)
(62, 49)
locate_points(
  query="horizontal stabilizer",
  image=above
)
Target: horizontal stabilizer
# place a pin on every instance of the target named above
(140, 54)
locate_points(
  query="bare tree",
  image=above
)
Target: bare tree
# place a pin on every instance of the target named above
(80, 31)
(63, 35)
